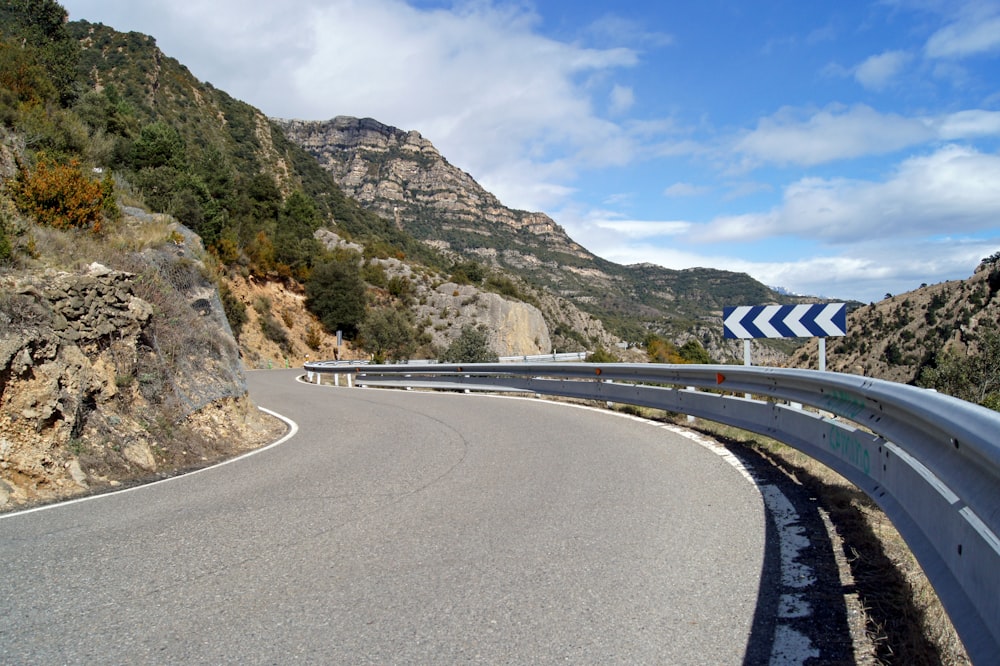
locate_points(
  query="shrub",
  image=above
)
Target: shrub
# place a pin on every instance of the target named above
(313, 338)
(374, 274)
(692, 352)
(471, 346)
(467, 272)
(63, 196)
(236, 311)
(274, 332)
(974, 377)
(601, 355)
(6, 246)
(399, 286)
(662, 351)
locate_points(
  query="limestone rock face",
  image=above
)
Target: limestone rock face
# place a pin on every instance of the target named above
(512, 328)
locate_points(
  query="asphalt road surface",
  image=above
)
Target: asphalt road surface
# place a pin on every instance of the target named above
(402, 528)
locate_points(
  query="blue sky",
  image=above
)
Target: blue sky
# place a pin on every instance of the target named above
(847, 149)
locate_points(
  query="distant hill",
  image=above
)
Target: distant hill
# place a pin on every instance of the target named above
(902, 337)
(401, 175)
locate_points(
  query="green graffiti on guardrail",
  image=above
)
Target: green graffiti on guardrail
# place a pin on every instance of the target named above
(848, 447)
(842, 402)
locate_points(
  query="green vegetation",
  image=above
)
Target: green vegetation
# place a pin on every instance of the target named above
(471, 346)
(388, 334)
(236, 312)
(601, 355)
(335, 293)
(663, 351)
(85, 97)
(974, 378)
(468, 272)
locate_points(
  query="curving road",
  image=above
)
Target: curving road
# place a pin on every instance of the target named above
(402, 527)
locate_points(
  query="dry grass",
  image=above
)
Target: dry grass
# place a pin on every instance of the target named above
(74, 250)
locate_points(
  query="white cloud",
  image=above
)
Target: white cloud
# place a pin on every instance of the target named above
(645, 228)
(832, 134)
(616, 29)
(622, 99)
(976, 31)
(952, 188)
(480, 83)
(865, 272)
(876, 72)
(686, 190)
(968, 125)
(839, 133)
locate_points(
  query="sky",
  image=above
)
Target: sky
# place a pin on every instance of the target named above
(838, 149)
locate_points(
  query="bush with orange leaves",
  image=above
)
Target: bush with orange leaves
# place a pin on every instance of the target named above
(61, 195)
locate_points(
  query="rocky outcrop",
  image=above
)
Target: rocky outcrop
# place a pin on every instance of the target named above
(111, 375)
(87, 308)
(512, 328)
(402, 176)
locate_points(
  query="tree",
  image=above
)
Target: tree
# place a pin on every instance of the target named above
(601, 355)
(468, 272)
(471, 346)
(335, 293)
(294, 244)
(974, 377)
(39, 26)
(388, 334)
(692, 352)
(158, 145)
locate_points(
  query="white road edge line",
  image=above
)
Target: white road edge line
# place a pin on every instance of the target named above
(293, 428)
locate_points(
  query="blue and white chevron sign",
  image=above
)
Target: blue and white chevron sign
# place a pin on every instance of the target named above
(818, 320)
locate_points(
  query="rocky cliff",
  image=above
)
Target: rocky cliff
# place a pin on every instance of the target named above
(402, 176)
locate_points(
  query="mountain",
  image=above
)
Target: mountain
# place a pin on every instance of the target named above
(401, 175)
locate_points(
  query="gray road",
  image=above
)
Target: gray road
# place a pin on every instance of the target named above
(402, 528)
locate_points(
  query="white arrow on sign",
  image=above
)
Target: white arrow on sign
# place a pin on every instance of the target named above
(732, 322)
(825, 321)
(794, 321)
(763, 321)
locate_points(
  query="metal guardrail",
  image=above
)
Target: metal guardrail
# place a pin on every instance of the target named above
(930, 461)
(544, 358)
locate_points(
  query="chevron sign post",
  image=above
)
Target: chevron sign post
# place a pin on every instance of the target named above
(820, 320)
